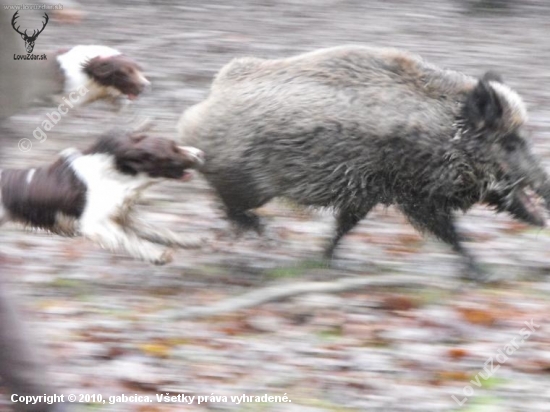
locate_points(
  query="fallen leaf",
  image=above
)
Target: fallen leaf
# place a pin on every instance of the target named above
(398, 302)
(158, 350)
(478, 316)
(457, 353)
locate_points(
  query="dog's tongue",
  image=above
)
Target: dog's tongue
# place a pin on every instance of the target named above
(132, 96)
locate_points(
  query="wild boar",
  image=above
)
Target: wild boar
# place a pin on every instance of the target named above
(348, 128)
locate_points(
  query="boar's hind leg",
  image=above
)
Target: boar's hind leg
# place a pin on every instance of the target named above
(238, 199)
(245, 220)
(347, 219)
(441, 224)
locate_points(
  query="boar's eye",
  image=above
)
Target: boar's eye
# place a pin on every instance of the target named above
(512, 142)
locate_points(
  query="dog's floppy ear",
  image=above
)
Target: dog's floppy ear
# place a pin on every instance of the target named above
(483, 108)
(100, 68)
(134, 161)
(131, 158)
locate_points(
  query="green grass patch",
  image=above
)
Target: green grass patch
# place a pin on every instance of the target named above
(297, 270)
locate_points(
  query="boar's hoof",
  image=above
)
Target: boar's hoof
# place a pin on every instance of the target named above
(269, 238)
(474, 273)
(245, 220)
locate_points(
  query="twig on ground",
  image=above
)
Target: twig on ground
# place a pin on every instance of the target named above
(281, 292)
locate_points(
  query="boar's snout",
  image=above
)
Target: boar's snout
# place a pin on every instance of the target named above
(526, 199)
(529, 206)
(522, 186)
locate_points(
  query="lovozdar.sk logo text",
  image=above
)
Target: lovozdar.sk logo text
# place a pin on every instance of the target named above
(29, 39)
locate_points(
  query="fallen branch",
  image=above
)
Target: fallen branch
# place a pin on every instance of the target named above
(281, 292)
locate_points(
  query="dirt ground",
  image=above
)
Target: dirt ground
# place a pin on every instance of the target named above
(114, 326)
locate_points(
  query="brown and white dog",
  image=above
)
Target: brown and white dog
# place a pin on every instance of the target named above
(91, 72)
(92, 193)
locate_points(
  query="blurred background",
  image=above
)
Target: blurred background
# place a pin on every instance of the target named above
(111, 325)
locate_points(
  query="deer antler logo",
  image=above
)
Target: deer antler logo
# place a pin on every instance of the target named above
(29, 40)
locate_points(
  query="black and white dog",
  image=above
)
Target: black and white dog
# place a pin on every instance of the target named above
(87, 73)
(92, 193)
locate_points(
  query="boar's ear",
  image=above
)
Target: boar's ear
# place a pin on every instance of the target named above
(483, 107)
(492, 76)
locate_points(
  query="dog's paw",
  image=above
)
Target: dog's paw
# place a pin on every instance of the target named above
(165, 257)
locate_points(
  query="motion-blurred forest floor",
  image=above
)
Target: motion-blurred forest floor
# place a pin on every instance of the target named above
(110, 324)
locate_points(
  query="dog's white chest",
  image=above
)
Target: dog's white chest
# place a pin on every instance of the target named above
(109, 192)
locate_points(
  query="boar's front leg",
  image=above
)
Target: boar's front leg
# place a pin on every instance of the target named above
(441, 224)
(346, 220)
